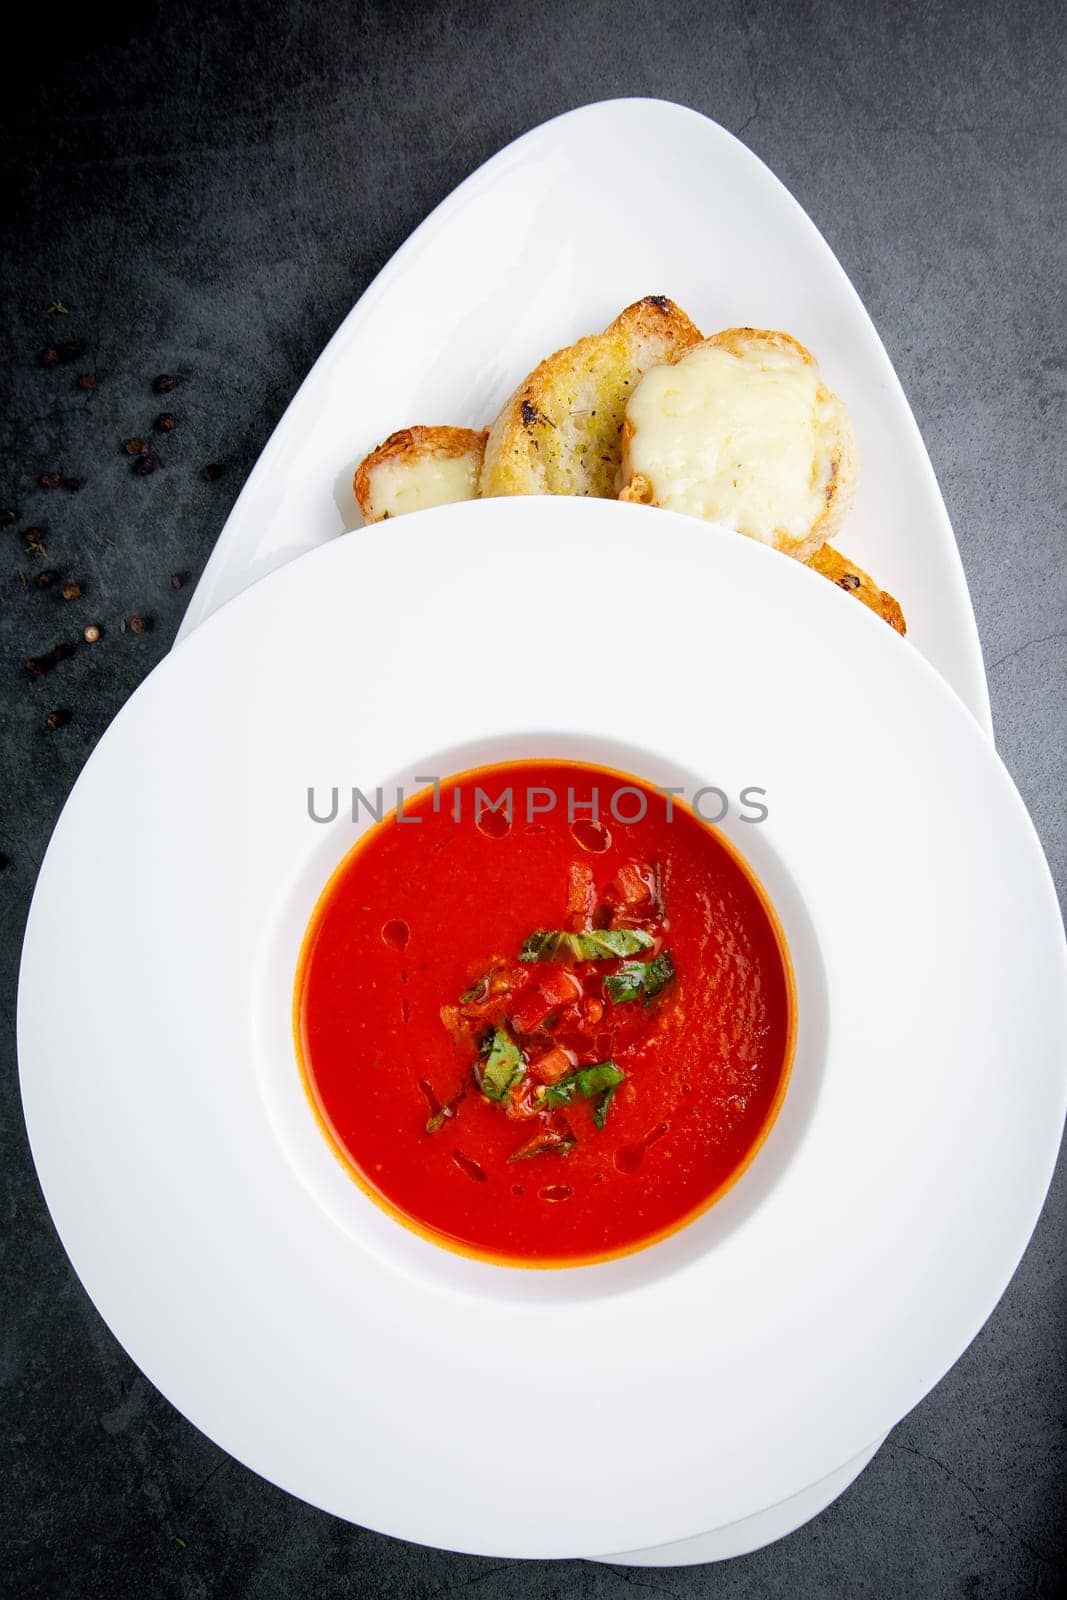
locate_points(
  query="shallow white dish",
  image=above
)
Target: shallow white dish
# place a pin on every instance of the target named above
(306, 1332)
(524, 257)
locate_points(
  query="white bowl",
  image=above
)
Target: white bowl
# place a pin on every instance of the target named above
(403, 1387)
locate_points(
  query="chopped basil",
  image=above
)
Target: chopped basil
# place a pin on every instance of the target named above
(637, 980)
(478, 991)
(502, 1064)
(549, 1143)
(444, 1112)
(596, 944)
(603, 1106)
(605, 1076)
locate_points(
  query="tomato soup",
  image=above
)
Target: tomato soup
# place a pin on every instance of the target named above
(536, 1033)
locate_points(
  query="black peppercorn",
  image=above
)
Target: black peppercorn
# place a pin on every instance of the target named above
(144, 465)
(87, 380)
(212, 471)
(140, 624)
(135, 447)
(49, 480)
(72, 484)
(59, 718)
(166, 422)
(165, 383)
(49, 356)
(69, 350)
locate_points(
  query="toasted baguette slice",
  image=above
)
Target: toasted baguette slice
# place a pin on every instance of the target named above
(559, 431)
(840, 570)
(741, 430)
(417, 468)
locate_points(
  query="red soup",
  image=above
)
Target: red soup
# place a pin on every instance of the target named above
(537, 1037)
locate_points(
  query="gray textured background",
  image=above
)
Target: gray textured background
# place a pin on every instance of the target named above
(208, 191)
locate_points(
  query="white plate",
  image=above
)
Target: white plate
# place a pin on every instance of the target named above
(717, 1374)
(536, 249)
(484, 288)
(750, 1533)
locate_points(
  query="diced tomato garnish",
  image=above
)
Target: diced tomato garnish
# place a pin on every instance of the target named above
(549, 989)
(522, 1101)
(460, 1030)
(633, 887)
(489, 995)
(581, 897)
(554, 1064)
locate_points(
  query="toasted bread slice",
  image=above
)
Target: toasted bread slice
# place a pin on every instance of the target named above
(845, 573)
(741, 430)
(417, 468)
(559, 431)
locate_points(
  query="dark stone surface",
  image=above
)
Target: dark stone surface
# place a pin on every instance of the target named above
(208, 190)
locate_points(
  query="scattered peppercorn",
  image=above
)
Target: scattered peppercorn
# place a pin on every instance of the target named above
(135, 447)
(72, 484)
(71, 591)
(177, 579)
(144, 465)
(212, 471)
(91, 634)
(140, 624)
(166, 422)
(49, 356)
(8, 515)
(37, 666)
(45, 580)
(59, 718)
(49, 480)
(69, 350)
(33, 540)
(165, 383)
(87, 380)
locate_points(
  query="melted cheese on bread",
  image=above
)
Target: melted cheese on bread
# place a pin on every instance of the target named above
(417, 468)
(741, 430)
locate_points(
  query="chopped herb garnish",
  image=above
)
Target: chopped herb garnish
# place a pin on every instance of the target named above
(603, 1106)
(637, 980)
(443, 1113)
(478, 991)
(595, 944)
(584, 1081)
(501, 1067)
(549, 1142)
